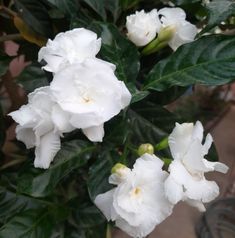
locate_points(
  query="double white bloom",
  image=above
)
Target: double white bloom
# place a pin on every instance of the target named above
(143, 27)
(138, 202)
(186, 180)
(84, 94)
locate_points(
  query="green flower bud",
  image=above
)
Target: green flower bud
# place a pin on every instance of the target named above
(166, 33)
(145, 148)
(117, 168)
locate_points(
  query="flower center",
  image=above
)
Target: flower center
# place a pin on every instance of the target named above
(136, 192)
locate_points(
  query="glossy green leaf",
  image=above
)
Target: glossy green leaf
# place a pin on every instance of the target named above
(12, 203)
(72, 155)
(31, 224)
(118, 50)
(184, 2)
(209, 61)
(100, 171)
(150, 123)
(32, 77)
(98, 6)
(69, 7)
(218, 11)
(4, 63)
(35, 14)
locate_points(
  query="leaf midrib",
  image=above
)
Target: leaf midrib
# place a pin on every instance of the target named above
(183, 70)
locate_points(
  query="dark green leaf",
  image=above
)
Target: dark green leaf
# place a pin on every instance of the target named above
(184, 2)
(32, 77)
(113, 7)
(209, 60)
(72, 155)
(11, 204)
(118, 50)
(4, 63)
(98, 6)
(68, 7)
(150, 123)
(126, 4)
(99, 173)
(2, 128)
(31, 223)
(218, 11)
(35, 14)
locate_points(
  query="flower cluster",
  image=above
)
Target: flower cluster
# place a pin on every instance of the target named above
(145, 196)
(143, 27)
(84, 94)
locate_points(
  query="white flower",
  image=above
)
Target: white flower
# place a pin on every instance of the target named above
(138, 203)
(92, 94)
(70, 47)
(184, 31)
(41, 123)
(142, 27)
(186, 180)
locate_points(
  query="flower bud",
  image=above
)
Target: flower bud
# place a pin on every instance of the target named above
(145, 148)
(166, 33)
(117, 167)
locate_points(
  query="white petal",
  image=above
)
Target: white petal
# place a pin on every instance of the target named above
(61, 119)
(216, 166)
(171, 15)
(139, 231)
(207, 144)
(46, 150)
(26, 135)
(201, 190)
(94, 133)
(198, 131)
(180, 139)
(193, 159)
(173, 190)
(105, 203)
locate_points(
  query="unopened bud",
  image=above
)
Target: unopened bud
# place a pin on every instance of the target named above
(166, 33)
(117, 167)
(145, 148)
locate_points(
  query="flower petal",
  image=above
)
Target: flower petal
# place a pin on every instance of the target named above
(94, 133)
(46, 150)
(216, 166)
(199, 205)
(26, 135)
(104, 203)
(180, 139)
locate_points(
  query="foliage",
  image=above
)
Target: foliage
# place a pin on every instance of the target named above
(58, 202)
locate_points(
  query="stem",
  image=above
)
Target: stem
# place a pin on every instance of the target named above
(11, 37)
(8, 11)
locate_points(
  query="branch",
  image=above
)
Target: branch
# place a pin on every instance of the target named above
(11, 37)
(8, 11)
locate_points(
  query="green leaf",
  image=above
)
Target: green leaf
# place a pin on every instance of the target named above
(32, 77)
(98, 6)
(209, 61)
(118, 50)
(126, 4)
(68, 7)
(72, 155)
(137, 95)
(218, 11)
(2, 128)
(35, 14)
(4, 63)
(100, 171)
(184, 2)
(31, 223)
(11, 204)
(150, 123)
(113, 7)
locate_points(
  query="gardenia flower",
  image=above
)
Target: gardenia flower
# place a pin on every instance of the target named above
(186, 180)
(91, 93)
(70, 47)
(41, 123)
(138, 203)
(184, 31)
(142, 27)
